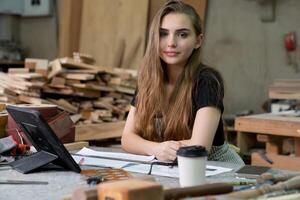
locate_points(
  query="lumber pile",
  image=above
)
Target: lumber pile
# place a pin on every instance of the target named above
(92, 94)
(17, 87)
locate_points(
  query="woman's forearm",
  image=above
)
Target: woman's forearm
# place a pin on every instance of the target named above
(135, 144)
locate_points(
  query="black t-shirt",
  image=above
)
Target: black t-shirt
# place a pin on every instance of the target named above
(208, 90)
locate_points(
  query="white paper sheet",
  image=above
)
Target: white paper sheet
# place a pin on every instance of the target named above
(126, 156)
(132, 166)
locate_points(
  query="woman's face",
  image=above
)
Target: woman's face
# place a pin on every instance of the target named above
(177, 39)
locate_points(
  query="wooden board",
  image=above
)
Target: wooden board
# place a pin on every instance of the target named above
(108, 26)
(76, 145)
(99, 131)
(71, 63)
(279, 161)
(269, 124)
(69, 26)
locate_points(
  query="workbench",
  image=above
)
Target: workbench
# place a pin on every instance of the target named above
(270, 129)
(64, 183)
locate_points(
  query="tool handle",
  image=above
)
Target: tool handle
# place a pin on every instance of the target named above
(196, 191)
(293, 183)
(275, 178)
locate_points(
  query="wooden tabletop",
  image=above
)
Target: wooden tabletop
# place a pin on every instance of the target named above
(268, 123)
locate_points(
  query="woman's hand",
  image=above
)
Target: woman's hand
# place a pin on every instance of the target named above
(166, 151)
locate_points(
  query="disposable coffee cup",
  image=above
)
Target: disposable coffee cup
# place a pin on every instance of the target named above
(192, 165)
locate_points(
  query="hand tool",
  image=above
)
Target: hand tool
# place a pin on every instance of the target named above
(23, 182)
(291, 184)
(275, 178)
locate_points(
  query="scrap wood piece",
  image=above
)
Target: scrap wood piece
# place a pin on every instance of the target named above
(115, 81)
(71, 63)
(62, 91)
(108, 106)
(57, 82)
(132, 72)
(82, 76)
(16, 92)
(33, 63)
(125, 90)
(106, 99)
(70, 82)
(86, 105)
(90, 93)
(86, 71)
(4, 99)
(103, 104)
(75, 118)
(115, 95)
(30, 75)
(86, 113)
(64, 105)
(93, 87)
(83, 58)
(109, 119)
(30, 93)
(94, 117)
(76, 145)
(9, 99)
(8, 81)
(12, 80)
(18, 70)
(32, 100)
(102, 113)
(37, 84)
(55, 68)
(99, 131)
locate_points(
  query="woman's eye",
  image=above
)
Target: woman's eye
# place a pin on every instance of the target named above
(182, 35)
(163, 33)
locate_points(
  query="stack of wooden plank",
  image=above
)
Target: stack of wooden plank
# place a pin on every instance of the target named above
(94, 94)
(98, 94)
(17, 87)
(285, 89)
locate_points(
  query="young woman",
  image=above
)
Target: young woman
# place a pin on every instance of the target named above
(179, 101)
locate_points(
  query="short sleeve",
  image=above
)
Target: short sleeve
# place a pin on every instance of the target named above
(208, 90)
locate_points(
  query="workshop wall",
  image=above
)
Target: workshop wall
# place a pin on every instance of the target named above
(39, 36)
(249, 53)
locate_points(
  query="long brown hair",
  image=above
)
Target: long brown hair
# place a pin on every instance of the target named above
(150, 101)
